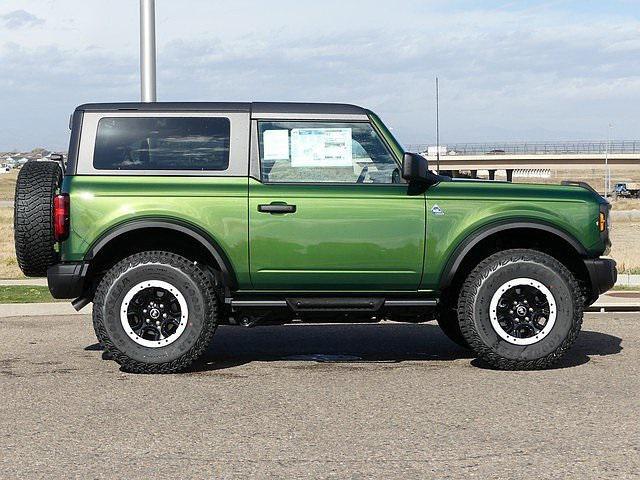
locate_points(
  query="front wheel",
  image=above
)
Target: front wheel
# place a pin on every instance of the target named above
(520, 310)
(155, 312)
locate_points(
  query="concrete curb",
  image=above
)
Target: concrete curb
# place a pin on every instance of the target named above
(28, 282)
(40, 310)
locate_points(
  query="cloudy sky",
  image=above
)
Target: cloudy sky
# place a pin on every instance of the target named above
(519, 70)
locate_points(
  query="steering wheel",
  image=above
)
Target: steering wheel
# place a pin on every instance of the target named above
(363, 174)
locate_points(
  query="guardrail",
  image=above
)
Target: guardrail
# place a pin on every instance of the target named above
(533, 148)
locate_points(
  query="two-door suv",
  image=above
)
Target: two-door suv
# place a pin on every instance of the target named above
(174, 218)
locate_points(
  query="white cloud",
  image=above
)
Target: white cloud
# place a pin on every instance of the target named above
(506, 73)
(19, 19)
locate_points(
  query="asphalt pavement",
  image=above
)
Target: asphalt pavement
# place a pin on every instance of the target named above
(391, 401)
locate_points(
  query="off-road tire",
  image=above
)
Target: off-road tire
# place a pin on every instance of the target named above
(483, 282)
(38, 183)
(448, 322)
(197, 290)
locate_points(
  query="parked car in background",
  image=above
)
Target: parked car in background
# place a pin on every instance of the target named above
(627, 189)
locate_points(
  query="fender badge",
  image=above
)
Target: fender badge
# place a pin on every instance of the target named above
(436, 210)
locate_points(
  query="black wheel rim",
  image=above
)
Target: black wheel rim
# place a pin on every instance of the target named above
(154, 313)
(523, 311)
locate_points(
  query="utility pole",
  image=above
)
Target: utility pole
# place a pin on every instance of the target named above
(437, 127)
(148, 50)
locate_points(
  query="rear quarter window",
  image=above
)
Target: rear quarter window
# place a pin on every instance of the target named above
(162, 143)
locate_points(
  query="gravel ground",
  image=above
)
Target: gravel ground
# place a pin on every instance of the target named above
(392, 401)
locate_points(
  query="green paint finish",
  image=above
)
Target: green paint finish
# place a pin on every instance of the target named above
(217, 205)
(341, 237)
(471, 205)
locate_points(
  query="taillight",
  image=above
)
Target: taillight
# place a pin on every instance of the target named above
(61, 217)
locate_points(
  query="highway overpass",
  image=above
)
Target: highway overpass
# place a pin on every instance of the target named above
(533, 157)
(535, 161)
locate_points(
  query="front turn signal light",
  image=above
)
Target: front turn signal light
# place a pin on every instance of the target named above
(602, 222)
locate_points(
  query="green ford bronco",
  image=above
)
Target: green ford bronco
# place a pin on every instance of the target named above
(174, 218)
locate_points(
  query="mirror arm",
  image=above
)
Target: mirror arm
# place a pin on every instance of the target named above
(432, 179)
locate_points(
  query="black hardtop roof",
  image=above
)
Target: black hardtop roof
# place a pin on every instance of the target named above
(254, 107)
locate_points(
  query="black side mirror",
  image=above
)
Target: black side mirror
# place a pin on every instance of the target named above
(415, 168)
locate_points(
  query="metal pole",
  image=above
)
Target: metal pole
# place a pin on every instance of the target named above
(607, 175)
(148, 50)
(437, 127)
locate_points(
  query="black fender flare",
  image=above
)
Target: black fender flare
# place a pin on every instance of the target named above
(461, 251)
(193, 231)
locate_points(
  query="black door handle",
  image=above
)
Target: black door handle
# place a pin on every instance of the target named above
(275, 208)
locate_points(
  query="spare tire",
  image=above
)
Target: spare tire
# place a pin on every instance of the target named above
(38, 183)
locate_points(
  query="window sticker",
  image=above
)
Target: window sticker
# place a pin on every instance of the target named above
(276, 144)
(321, 147)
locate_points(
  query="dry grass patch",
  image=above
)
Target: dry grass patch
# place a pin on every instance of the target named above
(8, 185)
(626, 204)
(625, 237)
(8, 263)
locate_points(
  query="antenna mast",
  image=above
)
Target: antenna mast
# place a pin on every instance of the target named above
(437, 127)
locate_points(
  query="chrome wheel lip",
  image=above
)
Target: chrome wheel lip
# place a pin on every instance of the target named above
(529, 282)
(184, 313)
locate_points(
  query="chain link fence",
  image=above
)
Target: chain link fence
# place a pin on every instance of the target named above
(532, 148)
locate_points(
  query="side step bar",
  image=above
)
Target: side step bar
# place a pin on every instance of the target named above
(258, 303)
(338, 304)
(412, 303)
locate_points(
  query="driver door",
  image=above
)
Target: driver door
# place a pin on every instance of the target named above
(331, 212)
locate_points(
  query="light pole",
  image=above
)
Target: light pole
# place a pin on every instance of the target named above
(148, 50)
(607, 172)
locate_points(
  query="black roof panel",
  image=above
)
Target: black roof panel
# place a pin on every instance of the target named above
(167, 106)
(256, 107)
(311, 108)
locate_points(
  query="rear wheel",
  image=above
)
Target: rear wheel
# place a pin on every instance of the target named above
(155, 312)
(520, 310)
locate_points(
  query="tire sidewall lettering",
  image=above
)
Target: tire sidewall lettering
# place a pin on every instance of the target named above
(501, 273)
(144, 272)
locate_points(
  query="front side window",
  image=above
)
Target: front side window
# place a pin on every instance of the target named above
(323, 152)
(162, 143)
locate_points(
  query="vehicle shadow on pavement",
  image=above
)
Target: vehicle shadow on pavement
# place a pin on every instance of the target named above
(589, 344)
(363, 343)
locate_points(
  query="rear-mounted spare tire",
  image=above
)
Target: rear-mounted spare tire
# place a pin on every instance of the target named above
(37, 185)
